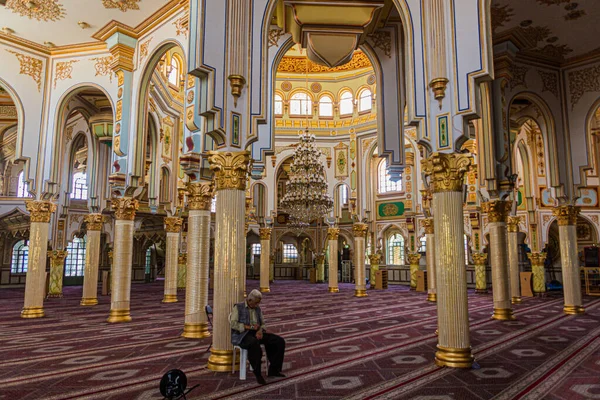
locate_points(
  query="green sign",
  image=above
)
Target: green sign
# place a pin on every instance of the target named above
(390, 209)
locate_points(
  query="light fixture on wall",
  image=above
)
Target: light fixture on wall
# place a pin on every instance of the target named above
(83, 24)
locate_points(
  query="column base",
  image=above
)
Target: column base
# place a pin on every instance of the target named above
(116, 316)
(503, 314)
(481, 291)
(265, 290)
(195, 331)
(573, 310)
(360, 293)
(170, 298)
(54, 296)
(88, 302)
(453, 358)
(432, 297)
(333, 290)
(32, 312)
(516, 300)
(220, 360)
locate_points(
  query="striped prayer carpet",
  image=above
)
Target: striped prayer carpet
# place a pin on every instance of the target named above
(338, 347)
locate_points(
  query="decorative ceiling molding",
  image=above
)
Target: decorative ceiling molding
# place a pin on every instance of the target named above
(122, 5)
(550, 82)
(382, 40)
(583, 81)
(102, 66)
(518, 76)
(298, 64)
(63, 71)
(41, 10)
(30, 66)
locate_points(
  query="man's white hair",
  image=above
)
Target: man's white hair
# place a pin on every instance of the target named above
(255, 295)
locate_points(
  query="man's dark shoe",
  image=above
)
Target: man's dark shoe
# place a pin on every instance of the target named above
(260, 379)
(276, 374)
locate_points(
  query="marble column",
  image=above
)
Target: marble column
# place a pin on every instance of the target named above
(265, 251)
(539, 272)
(57, 268)
(181, 271)
(332, 243)
(413, 262)
(446, 172)
(497, 211)
(35, 283)
(125, 209)
(480, 260)
(430, 258)
(92, 259)
(271, 268)
(230, 170)
(320, 268)
(567, 231)
(173, 229)
(512, 227)
(198, 254)
(375, 259)
(360, 232)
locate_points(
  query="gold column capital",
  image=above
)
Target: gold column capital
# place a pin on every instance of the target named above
(230, 168)
(94, 222)
(320, 258)
(497, 210)
(414, 258)
(333, 233)
(446, 171)
(125, 208)
(427, 223)
(537, 258)
(173, 224)
(40, 211)
(375, 259)
(265, 233)
(359, 229)
(512, 223)
(566, 215)
(122, 57)
(182, 258)
(110, 257)
(57, 257)
(200, 195)
(480, 258)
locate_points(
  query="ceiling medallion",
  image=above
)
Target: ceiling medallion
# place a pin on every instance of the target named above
(122, 5)
(42, 10)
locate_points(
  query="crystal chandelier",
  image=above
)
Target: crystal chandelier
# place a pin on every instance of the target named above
(306, 197)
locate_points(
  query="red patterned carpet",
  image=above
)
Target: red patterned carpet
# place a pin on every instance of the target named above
(338, 347)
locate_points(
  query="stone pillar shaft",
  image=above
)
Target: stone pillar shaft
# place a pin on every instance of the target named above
(430, 259)
(413, 262)
(265, 251)
(360, 232)
(230, 251)
(374, 259)
(197, 271)
(480, 260)
(35, 283)
(125, 209)
(567, 231)
(181, 271)
(173, 229)
(497, 211)
(57, 267)
(92, 259)
(513, 259)
(332, 242)
(320, 269)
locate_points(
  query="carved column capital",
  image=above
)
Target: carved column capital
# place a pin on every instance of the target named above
(125, 208)
(182, 259)
(40, 211)
(94, 222)
(57, 257)
(497, 210)
(230, 168)
(414, 258)
(480, 258)
(333, 233)
(537, 258)
(427, 223)
(173, 224)
(375, 259)
(512, 223)
(360, 230)
(446, 171)
(265, 233)
(566, 215)
(200, 195)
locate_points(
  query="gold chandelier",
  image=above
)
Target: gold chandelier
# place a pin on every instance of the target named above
(306, 198)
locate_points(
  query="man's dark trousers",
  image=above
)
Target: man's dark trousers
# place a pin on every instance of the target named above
(274, 345)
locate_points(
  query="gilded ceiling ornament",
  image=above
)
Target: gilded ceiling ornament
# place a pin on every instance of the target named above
(371, 79)
(94, 222)
(42, 10)
(102, 66)
(553, 2)
(274, 35)
(298, 64)
(40, 211)
(286, 86)
(575, 15)
(446, 171)
(316, 87)
(427, 224)
(382, 40)
(582, 81)
(181, 26)
(566, 215)
(500, 15)
(63, 71)
(553, 51)
(30, 66)
(122, 5)
(144, 48)
(125, 208)
(199, 195)
(550, 82)
(230, 168)
(173, 224)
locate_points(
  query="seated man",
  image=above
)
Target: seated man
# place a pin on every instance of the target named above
(248, 332)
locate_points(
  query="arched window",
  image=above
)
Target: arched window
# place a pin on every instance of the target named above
(395, 249)
(346, 103)
(343, 194)
(75, 262)
(466, 250)
(148, 263)
(20, 257)
(21, 187)
(326, 106)
(385, 184)
(80, 189)
(255, 250)
(365, 100)
(213, 205)
(423, 244)
(278, 105)
(174, 73)
(290, 254)
(300, 104)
